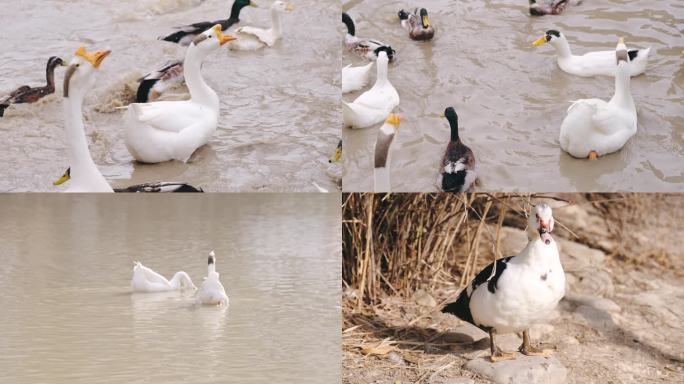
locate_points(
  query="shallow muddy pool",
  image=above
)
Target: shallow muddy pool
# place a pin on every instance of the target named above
(68, 315)
(279, 106)
(511, 97)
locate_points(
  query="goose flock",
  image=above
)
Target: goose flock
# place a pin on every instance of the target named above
(155, 130)
(592, 127)
(211, 292)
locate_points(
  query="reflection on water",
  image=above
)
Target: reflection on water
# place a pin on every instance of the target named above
(511, 98)
(279, 105)
(68, 314)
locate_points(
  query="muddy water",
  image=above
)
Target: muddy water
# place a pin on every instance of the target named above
(278, 106)
(68, 315)
(512, 98)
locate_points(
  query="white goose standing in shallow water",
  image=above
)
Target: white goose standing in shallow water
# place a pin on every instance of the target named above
(212, 292)
(374, 105)
(253, 38)
(524, 290)
(173, 130)
(147, 280)
(593, 127)
(599, 63)
(83, 173)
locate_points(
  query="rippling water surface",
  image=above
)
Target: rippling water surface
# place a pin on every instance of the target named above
(68, 315)
(279, 106)
(511, 97)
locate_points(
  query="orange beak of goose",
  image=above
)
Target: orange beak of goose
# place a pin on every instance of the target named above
(95, 58)
(223, 38)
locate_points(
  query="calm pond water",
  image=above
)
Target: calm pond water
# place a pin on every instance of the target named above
(279, 106)
(511, 97)
(68, 315)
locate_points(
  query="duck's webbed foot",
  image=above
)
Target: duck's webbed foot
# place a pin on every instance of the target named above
(498, 354)
(527, 349)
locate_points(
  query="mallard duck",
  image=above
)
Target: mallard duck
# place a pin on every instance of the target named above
(383, 153)
(368, 48)
(187, 33)
(212, 292)
(78, 80)
(355, 78)
(167, 186)
(521, 291)
(252, 38)
(594, 127)
(458, 164)
(374, 105)
(547, 7)
(154, 84)
(417, 24)
(591, 63)
(146, 280)
(26, 94)
(173, 130)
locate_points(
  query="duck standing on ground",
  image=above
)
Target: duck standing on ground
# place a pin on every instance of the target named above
(174, 130)
(26, 94)
(212, 292)
(417, 24)
(521, 291)
(594, 127)
(368, 48)
(599, 63)
(458, 164)
(187, 33)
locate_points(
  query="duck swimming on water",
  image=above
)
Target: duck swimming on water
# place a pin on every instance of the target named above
(26, 94)
(417, 24)
(547, 7)
(364, 47)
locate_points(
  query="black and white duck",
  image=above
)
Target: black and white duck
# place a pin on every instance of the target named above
(364, 47)
(457, 171)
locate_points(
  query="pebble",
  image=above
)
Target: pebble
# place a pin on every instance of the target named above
(524, 369)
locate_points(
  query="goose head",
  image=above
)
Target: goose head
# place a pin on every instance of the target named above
(540, 223)
(210, 40)
(551, 36)
(282, 6)
(621, 53)
(81, 74)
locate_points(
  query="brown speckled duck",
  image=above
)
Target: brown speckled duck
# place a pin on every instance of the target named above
(417, 24)
(547, 7)
(26, 94)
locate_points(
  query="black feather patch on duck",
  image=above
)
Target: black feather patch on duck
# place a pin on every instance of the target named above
(458, 164)
(364, 47)
(164, 187)
(187, 33)
(26, 94)
(155, 83)
(461, 307)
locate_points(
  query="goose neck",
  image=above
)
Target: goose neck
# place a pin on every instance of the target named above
(562, 47)
(623, 96)
(275, 21)
(199, 90)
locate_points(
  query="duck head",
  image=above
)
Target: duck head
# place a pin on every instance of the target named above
(238, 5)
(210, 40)
(282, 6)
(55, 61)
(551, 36)
(80, 76)
(540, 223)
(424, 18)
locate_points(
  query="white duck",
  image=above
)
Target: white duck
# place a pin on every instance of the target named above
(383, 154)
(173, 130)
(523, 290)
(212, 292)
(374, 105)
(355, 78)
(594, 127)
(253, 38)
(599, 63)
(147, 280)
(83, 173)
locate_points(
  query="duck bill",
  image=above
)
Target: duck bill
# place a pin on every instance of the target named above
(393, 119)
(65, 177)
(289, 7)
(99, 56)
(224, 38)
(539, 41)
(426, 21)
(336, 156)
(545, 232)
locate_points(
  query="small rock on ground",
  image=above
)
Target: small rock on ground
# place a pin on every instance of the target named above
(524, 369)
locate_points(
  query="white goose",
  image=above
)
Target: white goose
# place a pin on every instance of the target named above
(147, 280)
(253, 38)
(524, 290)
(374, 105)
(599, 63)
(355, 78)
(383, 154)
(593, 127)
(83, 173)
(212, 292)
(173, 130)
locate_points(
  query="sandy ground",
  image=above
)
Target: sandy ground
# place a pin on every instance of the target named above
(619, 322)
